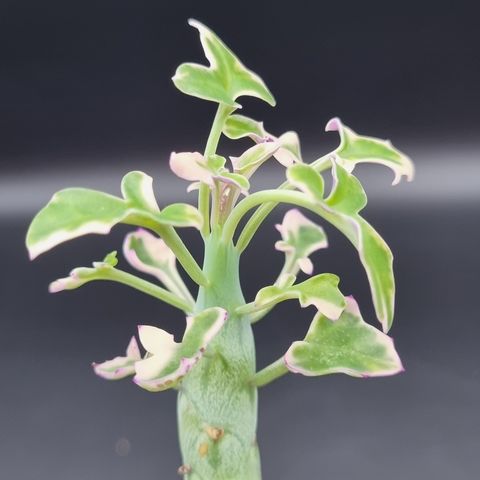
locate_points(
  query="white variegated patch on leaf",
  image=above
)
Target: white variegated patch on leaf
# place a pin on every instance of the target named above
(193, 166)
(74, 212)
(349, 345)
(150, 254)
(137, 190)
(341, 209)
(356, 148)
(320, 291)
(121, 366)
(167, 361)
(225, 79)
(300, 238)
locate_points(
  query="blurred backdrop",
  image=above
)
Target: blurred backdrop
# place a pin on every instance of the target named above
(86, 95)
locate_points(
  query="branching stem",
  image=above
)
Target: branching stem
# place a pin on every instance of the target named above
(263, 211)
(269, 197)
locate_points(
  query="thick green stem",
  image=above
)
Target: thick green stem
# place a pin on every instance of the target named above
(217, 400)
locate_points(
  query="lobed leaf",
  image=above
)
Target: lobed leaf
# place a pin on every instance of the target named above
(349, 345)
(225, 79)
(300, 238)
(167, 361)
(356, 148)
(321, 291)
(341, 209)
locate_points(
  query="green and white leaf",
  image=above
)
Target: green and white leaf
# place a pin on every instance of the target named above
(321, 291)
(341, 209)
(300, 238)
(348, 346)
(167, 361)
(236, 179)
(225, 79)
(239, 126)
(287, 152)
(180, 215)
(254, 157)
(121, 366)
(82, 275)
(308, 180)
(149, 254)
(74, 212)
(137, 190)
(356, 148)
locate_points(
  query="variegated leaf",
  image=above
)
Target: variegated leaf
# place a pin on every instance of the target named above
(149, 254)
(225, 79)
(300, 238)
(239, 126)
(119, 367)
(288, 145)
(308, 180)
(321, 291)
(168, 362)
(254, 157)
(82, 275)
(348, 346)
(191, 166)
(180, 215)
(195, 167)
(356, 148)
(341, 209)
(137, 190)
(74, 212)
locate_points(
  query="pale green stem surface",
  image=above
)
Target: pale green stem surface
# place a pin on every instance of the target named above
(218, 394)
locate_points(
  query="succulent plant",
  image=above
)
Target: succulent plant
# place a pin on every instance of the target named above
(213, 367)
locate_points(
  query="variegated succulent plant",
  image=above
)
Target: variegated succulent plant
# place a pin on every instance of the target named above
(213, 367)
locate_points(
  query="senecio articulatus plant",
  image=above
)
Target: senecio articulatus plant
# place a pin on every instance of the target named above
(213, 367)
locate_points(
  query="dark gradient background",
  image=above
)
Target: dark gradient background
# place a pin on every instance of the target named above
(85, 96)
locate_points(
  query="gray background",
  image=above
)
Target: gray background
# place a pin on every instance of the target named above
(86, 96)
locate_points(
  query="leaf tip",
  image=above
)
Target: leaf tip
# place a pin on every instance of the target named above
(333, 125)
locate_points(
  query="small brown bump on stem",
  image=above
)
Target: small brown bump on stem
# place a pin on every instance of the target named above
(215, 433)
(203, 449)
(184, 470)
